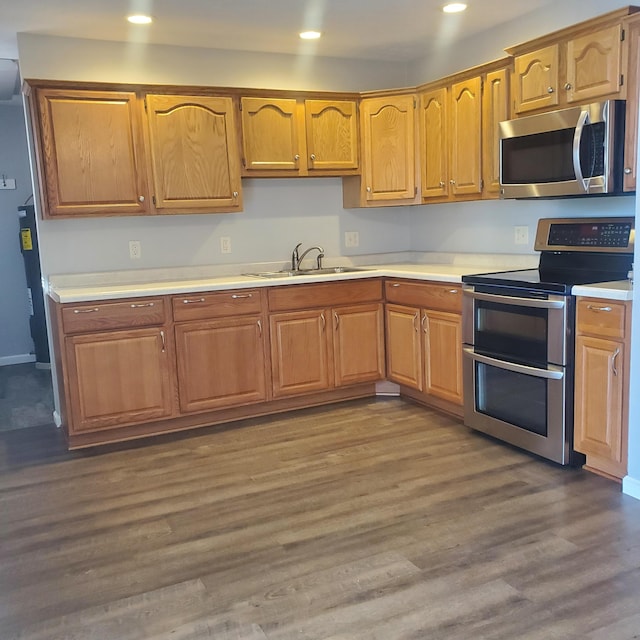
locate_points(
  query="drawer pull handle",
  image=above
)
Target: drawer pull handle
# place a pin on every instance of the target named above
(324, 322)
(395, 284)
(192, 301)
(415, 322)
(237, 296)
(141, 305)
(613, 362)
(453, 291)
(164, 345)
(593, 307)
(336, 317)
(260, 328)
(424, 323)
(93, 310)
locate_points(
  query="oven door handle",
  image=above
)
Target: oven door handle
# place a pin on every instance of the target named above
(553, 373)
(516, 300)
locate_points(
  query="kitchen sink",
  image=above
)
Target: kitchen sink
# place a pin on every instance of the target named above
(288, 273)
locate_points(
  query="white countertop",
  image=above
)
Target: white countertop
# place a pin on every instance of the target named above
(166, 281)
(619, 290)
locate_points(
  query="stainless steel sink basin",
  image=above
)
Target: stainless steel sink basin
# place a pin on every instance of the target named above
(305, 272)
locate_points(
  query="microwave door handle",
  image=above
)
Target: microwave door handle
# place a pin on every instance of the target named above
(549, 374)
(577, 137)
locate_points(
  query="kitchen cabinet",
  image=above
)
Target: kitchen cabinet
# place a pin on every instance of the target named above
(195, 157)
(424, 341)
(573, 66)
(325, 336)
(117, 364)
(632, 39)
(601, 384)
(220, 349)
(299, 137)
(91, 157)
(389, 166)
(458, 126)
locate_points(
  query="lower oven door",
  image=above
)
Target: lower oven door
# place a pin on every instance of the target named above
(520, 404)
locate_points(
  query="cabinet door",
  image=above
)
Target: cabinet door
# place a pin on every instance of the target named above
(466, 137)
(594, 65)
(495, 109)
(443, 355)
(600, 366)
(117, 378)
(92, 153)
(332, 134)
(358, 344)
(299, 352)
(631, 120)
(434, 144)
(404, 350)
(389, 147)
(194, 152)
(271, 134)
(221, 363)
(536, 79)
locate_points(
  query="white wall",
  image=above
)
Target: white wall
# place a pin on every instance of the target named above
(487, 227)
(16, 344)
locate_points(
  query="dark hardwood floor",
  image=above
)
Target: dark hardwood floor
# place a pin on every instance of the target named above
(369, 520)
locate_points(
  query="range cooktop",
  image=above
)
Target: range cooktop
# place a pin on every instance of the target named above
(573, 251)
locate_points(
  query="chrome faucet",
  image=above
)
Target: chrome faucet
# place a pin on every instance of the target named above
(296, 258)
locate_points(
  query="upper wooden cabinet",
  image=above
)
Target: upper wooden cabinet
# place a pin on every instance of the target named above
(301, 137)
(632, 39)
(389, 168)
(573, 66)
(91, 153)
(195, 157)
(458, 125)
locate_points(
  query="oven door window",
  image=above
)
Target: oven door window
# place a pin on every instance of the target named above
(515, 398)
(511, 332)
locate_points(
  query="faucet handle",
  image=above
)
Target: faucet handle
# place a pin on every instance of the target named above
(319, 259)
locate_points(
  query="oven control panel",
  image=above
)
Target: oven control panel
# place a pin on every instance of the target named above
(586, 234)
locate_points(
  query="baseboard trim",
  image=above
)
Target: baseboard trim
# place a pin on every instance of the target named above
(57, 420)
(22, 358)
(631, 487)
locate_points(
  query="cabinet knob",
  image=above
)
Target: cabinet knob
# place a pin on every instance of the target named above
(568, 86)
(141, 198)
(442, 183)
(235, 194)
(627, 170)
(368, 189)
(313, 156)
(296, 157)
(549, 89)
(452, 181)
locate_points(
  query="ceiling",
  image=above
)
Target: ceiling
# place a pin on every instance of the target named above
(398, 30)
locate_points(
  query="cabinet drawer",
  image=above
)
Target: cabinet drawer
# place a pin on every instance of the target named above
(601, 317)
(221, 304)
(441, 297)
(325, 294)
(100, 316)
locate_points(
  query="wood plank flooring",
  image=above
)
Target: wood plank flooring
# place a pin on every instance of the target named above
(374, 519)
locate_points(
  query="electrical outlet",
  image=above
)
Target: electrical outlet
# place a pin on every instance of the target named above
(135, 249)
(351, 239)
(521, 235)
(225, 244)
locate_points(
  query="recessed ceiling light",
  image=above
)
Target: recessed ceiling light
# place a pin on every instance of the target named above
(140, 19)
(310, 35)
(454, 7)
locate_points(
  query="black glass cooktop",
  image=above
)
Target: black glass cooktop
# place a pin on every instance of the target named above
(551, 281)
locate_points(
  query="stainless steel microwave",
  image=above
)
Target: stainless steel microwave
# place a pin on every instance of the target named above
(569, 152)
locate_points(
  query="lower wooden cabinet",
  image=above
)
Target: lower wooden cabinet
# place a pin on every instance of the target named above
(601, 384)
(117, 378)
(220, 363)
(424, 338)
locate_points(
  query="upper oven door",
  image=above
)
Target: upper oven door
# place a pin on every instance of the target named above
(519, 327)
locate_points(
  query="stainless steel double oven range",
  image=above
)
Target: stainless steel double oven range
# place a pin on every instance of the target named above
(518, 334)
